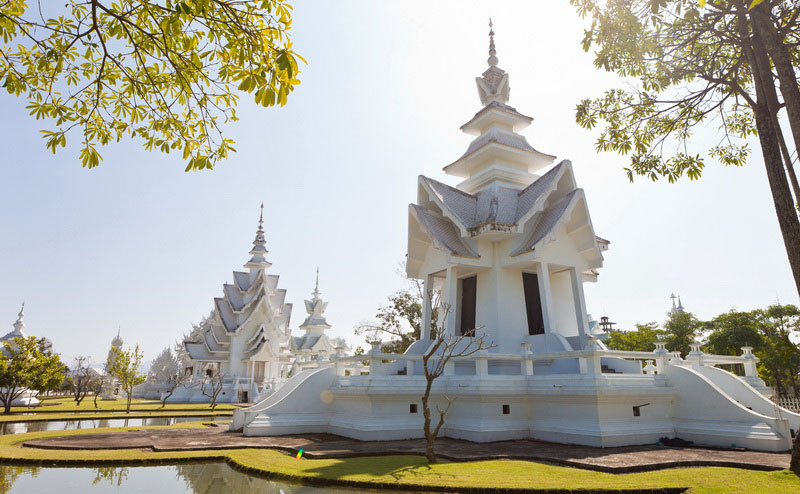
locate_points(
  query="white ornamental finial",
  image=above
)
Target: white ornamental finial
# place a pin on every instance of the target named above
(20, 323)
(492, 52)
(316, 286)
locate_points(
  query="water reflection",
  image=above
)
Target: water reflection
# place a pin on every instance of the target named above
(63, 425)
(196, 478)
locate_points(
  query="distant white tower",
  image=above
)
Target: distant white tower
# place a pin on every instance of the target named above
(676, 309)
(19, 325)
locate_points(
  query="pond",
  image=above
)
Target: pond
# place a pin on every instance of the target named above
(194, 478)
(63, 425)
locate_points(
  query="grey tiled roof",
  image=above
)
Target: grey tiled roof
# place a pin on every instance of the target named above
(462, 205)
(502, 205)
(198, 351)
(527, 197)
(234, 296)
(545, 223)
(242, 280)
(225, 314)
(444, 232)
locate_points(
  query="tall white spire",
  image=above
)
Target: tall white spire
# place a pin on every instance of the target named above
(493, 83)
(498, 154)
(258, 261)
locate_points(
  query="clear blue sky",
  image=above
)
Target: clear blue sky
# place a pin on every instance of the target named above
(140, 244)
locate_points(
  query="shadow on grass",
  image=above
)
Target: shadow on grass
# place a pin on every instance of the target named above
(397, 468)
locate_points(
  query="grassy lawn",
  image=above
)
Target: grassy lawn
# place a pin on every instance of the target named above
(67, 404)
(111, 414)
(414, 471)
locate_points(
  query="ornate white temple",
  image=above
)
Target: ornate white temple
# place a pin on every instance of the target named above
(509, 248)
(246, 338)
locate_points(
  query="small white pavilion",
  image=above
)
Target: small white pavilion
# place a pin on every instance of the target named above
(315, 346)
(26, 398)
(509, 248)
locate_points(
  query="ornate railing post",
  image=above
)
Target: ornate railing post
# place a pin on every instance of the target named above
(661, 356)
(695, 356)
(374, 362)
(527, 360)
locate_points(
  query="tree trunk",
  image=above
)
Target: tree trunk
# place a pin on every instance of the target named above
(781, 59)
(794, 464)
(765, 111)
(430, 454)
(7, 407)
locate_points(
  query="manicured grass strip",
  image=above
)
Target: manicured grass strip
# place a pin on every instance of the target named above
(409, 472)
(48, 417)
(87, 405)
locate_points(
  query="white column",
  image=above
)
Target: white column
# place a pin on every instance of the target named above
(580, 302)
(427, 295)
(451, 299)
(546, 295)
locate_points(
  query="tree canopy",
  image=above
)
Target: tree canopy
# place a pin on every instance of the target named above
(164, 72)
(725, 64)
(24, 366)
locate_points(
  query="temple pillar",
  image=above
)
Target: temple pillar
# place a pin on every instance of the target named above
(451, 299)
(546, 294)
(580, 301)
(427, 309)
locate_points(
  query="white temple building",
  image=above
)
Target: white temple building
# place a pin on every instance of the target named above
(27, 397)
(245, 339)
(509, 248)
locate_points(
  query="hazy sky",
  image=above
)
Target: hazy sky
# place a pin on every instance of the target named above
(139, 243)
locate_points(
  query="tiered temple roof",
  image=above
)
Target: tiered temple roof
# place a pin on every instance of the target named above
(253, 299)
(501, 195)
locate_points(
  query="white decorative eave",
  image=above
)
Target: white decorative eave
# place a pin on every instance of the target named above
(512, 148)
(496, 113)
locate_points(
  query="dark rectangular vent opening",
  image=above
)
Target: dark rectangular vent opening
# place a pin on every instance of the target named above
(506, 409)
(469, 298)
(412, 408)
(533, 303)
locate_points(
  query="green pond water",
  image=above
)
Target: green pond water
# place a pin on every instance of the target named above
(195, 478)
(63, 425)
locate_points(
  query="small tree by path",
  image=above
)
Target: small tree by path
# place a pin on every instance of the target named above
(167, 370)
(445, 347)
(124, 365)
(82, 378)
(212, 387)
(24, 366)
